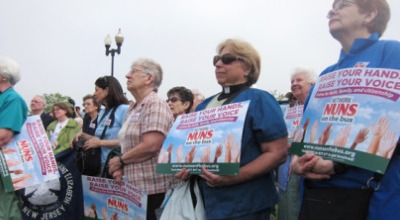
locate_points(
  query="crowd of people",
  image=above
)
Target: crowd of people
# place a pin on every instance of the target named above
(129, 135)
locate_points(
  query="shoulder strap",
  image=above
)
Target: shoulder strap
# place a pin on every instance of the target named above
(109, 118)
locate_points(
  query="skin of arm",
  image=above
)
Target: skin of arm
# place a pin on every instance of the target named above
(387, 144)
(149, 147)
(190, 155)
(313, 132)
(311, 166)
(341, 138)
(218, 153)
(325, 134)
(378, 131)
(94, 142)
(5, 136)
(179, 154)
(361, 136)
(305, 126)
(273, 154)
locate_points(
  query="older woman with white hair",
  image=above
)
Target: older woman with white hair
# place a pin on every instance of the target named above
(302, 79)
(13, 112)
(142, 135)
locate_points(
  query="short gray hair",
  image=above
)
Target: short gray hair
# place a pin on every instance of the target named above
(307, 71)
(9, 69)
(197, 94)
(153, 68)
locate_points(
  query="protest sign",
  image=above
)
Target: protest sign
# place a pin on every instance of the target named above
(350, 117)
(28, 159)
(210, 138)
(106, 199)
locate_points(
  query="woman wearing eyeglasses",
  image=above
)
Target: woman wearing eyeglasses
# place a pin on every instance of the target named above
(142, 135)
(358, 26)
(251, 194)
(180, 100)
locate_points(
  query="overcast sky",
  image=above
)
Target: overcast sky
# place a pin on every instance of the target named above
(60, 44)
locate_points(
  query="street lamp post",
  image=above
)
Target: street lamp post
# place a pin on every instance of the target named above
(119, 39)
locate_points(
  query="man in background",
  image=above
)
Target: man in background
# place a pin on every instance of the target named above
(38, 104)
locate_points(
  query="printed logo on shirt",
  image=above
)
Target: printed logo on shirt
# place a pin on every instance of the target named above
(50, 199)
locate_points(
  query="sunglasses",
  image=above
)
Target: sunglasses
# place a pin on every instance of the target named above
(173, 100)
(226, 58)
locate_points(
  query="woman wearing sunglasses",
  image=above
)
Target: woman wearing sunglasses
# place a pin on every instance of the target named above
(180, 100)
(251, 194)
(357, 25)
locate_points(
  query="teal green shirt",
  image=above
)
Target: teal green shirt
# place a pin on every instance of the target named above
(13, 110)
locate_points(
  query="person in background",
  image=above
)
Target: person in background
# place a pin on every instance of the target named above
(108, 92)
(78, 111)
(62, 131)
(180, 100)
(291, 98)
(13, 112)
(38, 104)
(252, 193)
(302, 79)
(141, 137)
(92, 109)
(358, 25)
(198, 98)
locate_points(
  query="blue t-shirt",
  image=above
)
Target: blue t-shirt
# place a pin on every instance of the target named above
(385, 202)
(264, 123)
(13, 110)
(111, 132)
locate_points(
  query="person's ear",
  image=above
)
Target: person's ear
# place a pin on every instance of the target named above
(370, 15)
(186, 105)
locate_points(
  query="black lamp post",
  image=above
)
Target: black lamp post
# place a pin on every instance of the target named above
(119, 39)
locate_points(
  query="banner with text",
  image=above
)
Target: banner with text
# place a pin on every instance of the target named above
(210, 138)
(106, 199)
(292, 117)
(28, 159)
(352, 117)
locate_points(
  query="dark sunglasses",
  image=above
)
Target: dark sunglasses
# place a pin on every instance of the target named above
(173, 100)
(226, 58)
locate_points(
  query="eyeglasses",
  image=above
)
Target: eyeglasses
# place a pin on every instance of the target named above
(173, 100)
(339, 5)
(226, 58)
(137, 70)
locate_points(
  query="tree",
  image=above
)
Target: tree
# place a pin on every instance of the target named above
(278, 96)
(52, 99)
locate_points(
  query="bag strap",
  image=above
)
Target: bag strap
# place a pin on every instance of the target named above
(109, 118)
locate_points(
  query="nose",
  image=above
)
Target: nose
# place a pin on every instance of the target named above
(331, 13)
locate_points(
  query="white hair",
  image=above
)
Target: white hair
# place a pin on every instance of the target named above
(310, 74)
(9, 69)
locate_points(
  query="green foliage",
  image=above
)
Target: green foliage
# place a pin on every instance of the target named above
(278, 96)
(51, 99)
